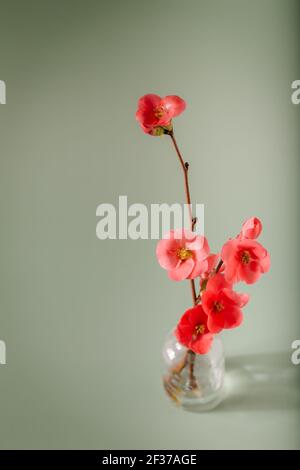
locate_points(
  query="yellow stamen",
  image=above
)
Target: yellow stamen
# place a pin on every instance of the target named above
(218, 306)
(245, 257)
(158, 112)
(200, 329)
(183, 254)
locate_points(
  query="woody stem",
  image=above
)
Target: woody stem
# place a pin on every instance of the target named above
(219, 266)
(185, 169)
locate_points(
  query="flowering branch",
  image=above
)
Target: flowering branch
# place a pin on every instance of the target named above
(188, 255)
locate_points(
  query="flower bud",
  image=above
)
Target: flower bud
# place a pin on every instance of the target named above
(251, 228)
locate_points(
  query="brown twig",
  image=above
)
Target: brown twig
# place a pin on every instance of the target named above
(219, 266)
(185, 169)
(193, 221)
(192, 378)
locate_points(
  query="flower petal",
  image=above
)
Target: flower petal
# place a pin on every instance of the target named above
(228, 249)
(182, 271)
(173, 104)
(216, 283)
(202, 344)
(249, 273)
(148, 102)
(215, 323)
(265, 263)
(166, 253)
(200, 246)
(234, 298)
(233, 317)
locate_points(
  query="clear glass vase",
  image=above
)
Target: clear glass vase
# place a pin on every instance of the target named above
(194, 381)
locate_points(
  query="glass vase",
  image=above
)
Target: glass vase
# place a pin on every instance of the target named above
(194, 381)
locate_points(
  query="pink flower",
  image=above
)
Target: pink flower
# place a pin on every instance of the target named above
(181, 253)
(245, 260)
(222, 305)
(192, 330)
(251, 229)
(155, 113)
(208, 265)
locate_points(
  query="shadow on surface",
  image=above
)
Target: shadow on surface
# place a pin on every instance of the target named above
(261, 382)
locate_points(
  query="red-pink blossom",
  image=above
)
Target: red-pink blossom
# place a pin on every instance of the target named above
(251, 229)
(155, 113)
(245, 260)
(192, 330)
(181, 253)
(222, 305)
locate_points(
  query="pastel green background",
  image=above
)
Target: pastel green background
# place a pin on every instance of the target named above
(84, 320)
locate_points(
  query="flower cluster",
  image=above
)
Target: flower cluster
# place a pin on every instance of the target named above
(187, 256)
